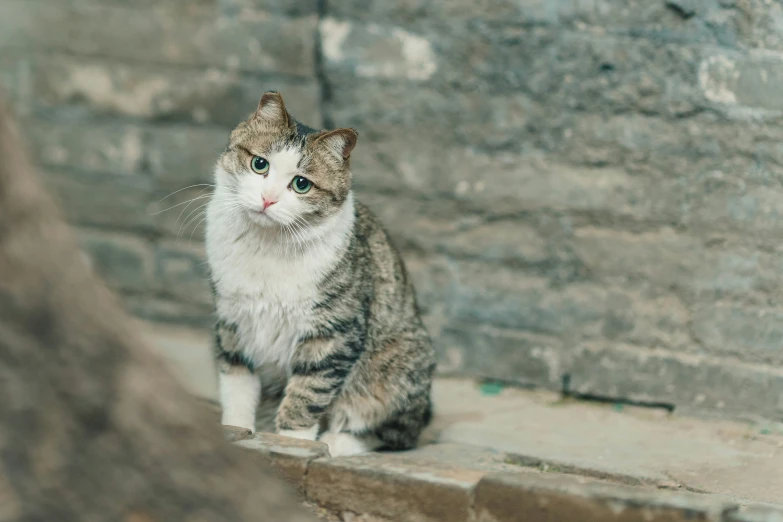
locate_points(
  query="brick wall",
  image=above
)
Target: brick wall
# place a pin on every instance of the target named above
(588, 192)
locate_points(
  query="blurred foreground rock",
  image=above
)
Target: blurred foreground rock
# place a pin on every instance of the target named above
(92, 427)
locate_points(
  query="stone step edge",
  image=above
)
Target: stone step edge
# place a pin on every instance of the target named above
(346, 487)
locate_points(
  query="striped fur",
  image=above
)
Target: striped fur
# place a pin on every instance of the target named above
(312, 288)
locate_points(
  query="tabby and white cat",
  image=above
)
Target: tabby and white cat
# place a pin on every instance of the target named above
(308, 285)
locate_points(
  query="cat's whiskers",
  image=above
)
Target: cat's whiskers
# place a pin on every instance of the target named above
(231, 190)
(199, 207)
(223, 205)
(305, 244)
(188, 202)
(196, 227)
(186, 188)
(318, 235)
(295, 239)
(296, 232)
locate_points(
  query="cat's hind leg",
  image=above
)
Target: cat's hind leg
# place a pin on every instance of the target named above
(386, 402)
(346, 444)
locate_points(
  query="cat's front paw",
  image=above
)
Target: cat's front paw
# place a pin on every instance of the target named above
(236, 433)
(306, 434)
(346, 445)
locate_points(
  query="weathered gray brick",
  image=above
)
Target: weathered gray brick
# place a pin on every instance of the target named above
(15, 81)
(500, 182)
(186, 35)
(763, 31)
(442, 226)
(286, 7)
(473, 294)
(181, 272)
(749, 80)
(99, 147)
(104, 87)
(672, 259)
(148, 3)
(591, 71)
(182, 156)
(164, 310)
(510, 299)
(691, 382)
(377, 51)
(722, 200)
(507, 355)
(708, 22)
(125, 262)
(751, 333)
(104, 200)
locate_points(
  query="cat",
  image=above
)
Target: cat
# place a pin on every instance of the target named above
(307, 283)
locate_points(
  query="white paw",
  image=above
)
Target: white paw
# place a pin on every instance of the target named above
(308, 434)
(345, 444)
(239, 422)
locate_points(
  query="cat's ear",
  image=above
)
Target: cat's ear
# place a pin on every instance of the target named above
(339, 142)
(271, 110)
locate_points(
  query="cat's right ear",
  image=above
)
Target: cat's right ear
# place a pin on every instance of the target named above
(271, 110)
(339, 142)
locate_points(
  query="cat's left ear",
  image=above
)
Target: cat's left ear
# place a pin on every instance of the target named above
(271, 109)
(339, 142)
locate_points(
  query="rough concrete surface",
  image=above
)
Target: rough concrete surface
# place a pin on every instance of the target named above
(515, 497)
(290, 456)
(634, 445)
(448, 482)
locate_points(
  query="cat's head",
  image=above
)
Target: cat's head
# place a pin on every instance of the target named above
(276, 171)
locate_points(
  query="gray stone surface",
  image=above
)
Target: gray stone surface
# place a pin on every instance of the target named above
(430, 484)
(236, 434)
(124, 261)
(459, 482)
(188, 35)
(105, 87)
(291, 457)
(553, 497)
(756, 514)
(588, 191)
(620, 443)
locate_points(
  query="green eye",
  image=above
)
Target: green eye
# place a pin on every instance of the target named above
(259, 165)
(301, 184)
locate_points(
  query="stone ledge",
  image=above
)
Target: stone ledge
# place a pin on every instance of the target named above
(291, 457)
(756, 514)
(556, 497)
(431, 483)
(455, 483)
(236, 434)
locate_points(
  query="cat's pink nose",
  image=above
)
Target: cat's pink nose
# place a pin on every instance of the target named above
(268, 203)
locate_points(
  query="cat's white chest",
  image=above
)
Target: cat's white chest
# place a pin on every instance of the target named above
(269, 299)
(269, 296)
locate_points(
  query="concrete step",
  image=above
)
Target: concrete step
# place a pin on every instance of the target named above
(449, 482)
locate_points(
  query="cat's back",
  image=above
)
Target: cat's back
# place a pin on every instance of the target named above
(378, 249)
(394, 299)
